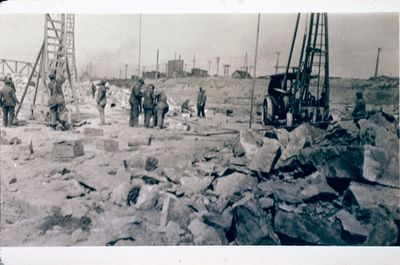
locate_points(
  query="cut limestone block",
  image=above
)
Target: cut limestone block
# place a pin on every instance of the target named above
(67, 149)
(88, 131)
(109, 145)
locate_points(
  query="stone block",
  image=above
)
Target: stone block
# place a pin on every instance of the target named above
(68, 149)
(108, 145)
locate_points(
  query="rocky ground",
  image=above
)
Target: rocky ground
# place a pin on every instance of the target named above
(204, 181)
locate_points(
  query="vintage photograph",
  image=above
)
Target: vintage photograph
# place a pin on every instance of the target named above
(199, 129)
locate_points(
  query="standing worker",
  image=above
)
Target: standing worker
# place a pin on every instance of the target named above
(148, 105)
(201, 103)
(102, 101)
(8, 101)
(57, 102)
(135, 100)
(12, 83)
(93, 90)
(162, 108)
(359, 111)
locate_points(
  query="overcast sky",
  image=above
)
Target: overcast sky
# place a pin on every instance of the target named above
(111, 41)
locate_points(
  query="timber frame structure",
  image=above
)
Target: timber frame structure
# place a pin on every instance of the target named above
(56, 55)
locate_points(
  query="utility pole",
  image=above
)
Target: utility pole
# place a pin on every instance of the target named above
(218, 58)
(209, 67)
(157, 65)
(377, 62)
(140, 42)
(90, 71)
(120, 73)
(185, 67)
(194, 61)
(126, 71)
(246, 68)
(254, 73)
(277, 62)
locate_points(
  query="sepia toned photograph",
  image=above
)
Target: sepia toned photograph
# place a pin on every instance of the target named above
(199, 129)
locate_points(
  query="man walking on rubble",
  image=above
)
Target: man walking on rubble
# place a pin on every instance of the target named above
(148, 105)
(102, 100)
(162, 108)
(201, 103)
(359, 111)
(57, 102)
(8, 101)
(135, 101)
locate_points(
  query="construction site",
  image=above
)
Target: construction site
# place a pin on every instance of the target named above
(280, 158)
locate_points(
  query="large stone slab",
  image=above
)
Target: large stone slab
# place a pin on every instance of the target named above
(381, 166)
(250, 141)
(307, 230)
(251, 224)
(372, 196)
(205, 235)
(351, 225)
(266, 157)
(89, 131)
(108, 145)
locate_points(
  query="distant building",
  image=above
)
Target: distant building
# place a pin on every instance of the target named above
(175, 68)
(241, 74)
(153, 75)
(196, 72)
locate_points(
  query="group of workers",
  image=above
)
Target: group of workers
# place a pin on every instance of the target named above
(153, 105)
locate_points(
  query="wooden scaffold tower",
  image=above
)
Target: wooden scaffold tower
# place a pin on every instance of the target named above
(56, 55)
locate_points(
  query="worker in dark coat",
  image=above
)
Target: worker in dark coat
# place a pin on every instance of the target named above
(148, 104)
(57, 102)
(93, 90)
(102, 101)
(359, 111)
(8, 101)
(162, 108)
(135, 101)
(201, 103)
(360, 108)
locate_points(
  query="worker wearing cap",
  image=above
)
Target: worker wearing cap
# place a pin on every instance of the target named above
(162, 108)
(57, 101)
(201, 103)
(135, 101)
(102, 100)
(148, 104)
(8, 101)
(359, 111)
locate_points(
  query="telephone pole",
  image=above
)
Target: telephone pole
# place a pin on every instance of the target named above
(377, 62)
(254, 73)
(140, 42)
(157, 65)
(194, 61)
(277, 62)
(246, 68)
(120, 73)
(126, 71)
(217, 59)
(209, 67)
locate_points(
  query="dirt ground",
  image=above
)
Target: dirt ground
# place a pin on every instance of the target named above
(83, 201)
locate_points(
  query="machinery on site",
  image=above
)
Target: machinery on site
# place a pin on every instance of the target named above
(301, 93)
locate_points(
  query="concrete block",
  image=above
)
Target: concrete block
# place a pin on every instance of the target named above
(67, 149)
(88, 131)
(109, 145)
